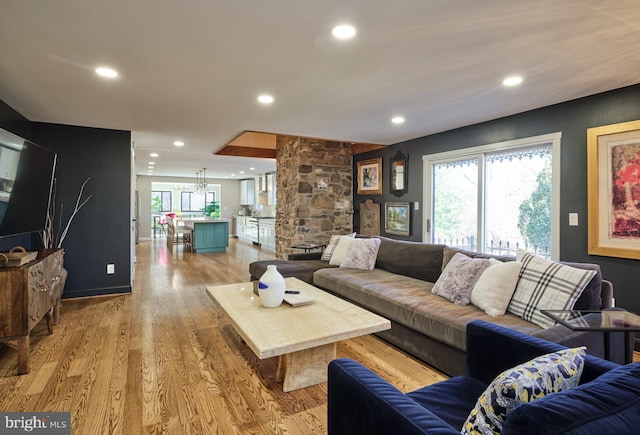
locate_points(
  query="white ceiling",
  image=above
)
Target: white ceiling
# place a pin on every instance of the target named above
(192, 69)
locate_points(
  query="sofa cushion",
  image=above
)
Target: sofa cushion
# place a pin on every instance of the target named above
(459, 278)
(495, 287)
(414, 259)
(524, 383)
(362, 254)
(546, 285)
(608, 404)
(409, 301)
(452, 400)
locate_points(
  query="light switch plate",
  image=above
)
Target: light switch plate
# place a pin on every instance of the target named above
(573, 219)
(416, 206)
(111, 269)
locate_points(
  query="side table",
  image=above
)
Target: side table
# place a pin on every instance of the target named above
(608, 321)
(307, 247)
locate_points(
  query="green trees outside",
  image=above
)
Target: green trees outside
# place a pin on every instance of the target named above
(534, 219)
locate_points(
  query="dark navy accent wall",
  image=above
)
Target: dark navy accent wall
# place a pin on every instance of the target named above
(100, 233)
(572, 119)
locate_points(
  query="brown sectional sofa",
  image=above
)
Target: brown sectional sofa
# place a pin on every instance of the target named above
(424, 324)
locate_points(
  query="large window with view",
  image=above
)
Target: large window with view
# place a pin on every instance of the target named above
(192, 202)
(495, 198)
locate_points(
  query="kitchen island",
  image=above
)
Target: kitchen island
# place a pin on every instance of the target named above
(209, 235)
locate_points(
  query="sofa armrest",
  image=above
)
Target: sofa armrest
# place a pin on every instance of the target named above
(492, 348)
(607, 294)
(316, 255)
(361, 402)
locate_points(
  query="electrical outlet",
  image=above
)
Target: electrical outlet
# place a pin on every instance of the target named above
(111, 269)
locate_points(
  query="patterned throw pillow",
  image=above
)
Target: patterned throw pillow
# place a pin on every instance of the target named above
(527, 382)
(331, 246)
(458, 278)
(362, 254)
(546, 285)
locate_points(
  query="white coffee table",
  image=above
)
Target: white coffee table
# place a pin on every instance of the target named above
(303, 337)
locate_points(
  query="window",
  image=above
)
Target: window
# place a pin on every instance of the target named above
(160, 201)
(195, 202)
(495, 198)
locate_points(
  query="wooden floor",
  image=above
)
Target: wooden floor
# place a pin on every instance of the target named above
(165, 360)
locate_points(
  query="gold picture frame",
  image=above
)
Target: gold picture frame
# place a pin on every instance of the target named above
(370, 177)
(613, 173)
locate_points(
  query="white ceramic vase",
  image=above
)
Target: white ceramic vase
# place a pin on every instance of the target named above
(271, 287)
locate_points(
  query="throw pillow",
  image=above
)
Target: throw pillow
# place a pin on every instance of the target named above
(459, 277)
(527, 382)
(331, 246)
(495, 287)
(362, 254)
(340, 252)
(546, 285)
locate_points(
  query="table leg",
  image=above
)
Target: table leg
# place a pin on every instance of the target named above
(23, 355)
(305, 367)
(607, 345)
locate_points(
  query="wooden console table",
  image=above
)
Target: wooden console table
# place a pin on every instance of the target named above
(29, 293)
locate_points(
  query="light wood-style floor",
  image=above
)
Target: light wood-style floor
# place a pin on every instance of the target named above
(165, 360)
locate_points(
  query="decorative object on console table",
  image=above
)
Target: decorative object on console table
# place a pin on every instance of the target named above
(370, 177)
(397, 218)
(613, 169)
(271, 287)
(399, 178)
(17, 256)
(370, 218)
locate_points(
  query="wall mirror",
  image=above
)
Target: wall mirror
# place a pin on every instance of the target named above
(399, 174)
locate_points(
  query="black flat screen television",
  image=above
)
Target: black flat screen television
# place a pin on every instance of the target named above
(26, 176)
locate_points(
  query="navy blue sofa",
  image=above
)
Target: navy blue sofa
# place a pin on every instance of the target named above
(606, 401)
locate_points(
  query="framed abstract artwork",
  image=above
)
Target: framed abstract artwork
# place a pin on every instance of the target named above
(370, 177)
(613, 170)
(397, 218)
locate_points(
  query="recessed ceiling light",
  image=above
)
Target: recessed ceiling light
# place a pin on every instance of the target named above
(397, 120)
(265, 99)
(344, 31)
(152, 163)
(233, 175)
(512, 81)
(150, 167)
(154, 155)
(179, 143)
(242, 172)
(105, 72)
(252, 169)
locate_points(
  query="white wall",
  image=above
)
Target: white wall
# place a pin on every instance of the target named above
(229, 197)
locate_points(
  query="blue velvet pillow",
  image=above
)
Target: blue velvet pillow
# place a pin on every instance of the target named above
(608, 404)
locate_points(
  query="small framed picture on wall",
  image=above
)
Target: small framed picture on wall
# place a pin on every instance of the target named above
(397, 218)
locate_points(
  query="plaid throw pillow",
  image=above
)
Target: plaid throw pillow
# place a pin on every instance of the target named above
(546, 285)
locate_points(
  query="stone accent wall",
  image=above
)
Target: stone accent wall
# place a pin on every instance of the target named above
(307, 211)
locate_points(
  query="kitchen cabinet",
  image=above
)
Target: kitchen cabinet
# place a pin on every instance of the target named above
(247, 192)
(267, 237)
(271, 189)
(241, 228)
